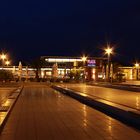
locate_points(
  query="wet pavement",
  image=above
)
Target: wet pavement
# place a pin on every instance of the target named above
(7, 105)
(42, 113)
(127, 98)
(4, 93)
(132, 82)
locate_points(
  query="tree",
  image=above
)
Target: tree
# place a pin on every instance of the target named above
(37, 64)
(75, 75)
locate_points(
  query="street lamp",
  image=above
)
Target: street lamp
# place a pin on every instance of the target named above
(7, 62)
(84, 59)
(3, 57)
(137, 70)
(108, 51)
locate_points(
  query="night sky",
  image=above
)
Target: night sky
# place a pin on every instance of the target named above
(32, 28)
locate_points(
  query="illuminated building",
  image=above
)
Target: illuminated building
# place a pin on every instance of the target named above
(92, 67)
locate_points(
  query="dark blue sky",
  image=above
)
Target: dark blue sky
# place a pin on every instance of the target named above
(31, 28)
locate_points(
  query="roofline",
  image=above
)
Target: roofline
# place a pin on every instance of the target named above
(73, 57)
(125, 67)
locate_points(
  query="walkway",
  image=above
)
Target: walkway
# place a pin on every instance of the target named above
(132, 83)
(42, 113)
(4, 93)
(128, 98)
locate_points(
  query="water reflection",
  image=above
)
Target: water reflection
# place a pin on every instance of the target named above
(137, 103)
(59, 95)
(85, 116)
(110, 126)
(2, 116)
(84, 89)
(7, 103)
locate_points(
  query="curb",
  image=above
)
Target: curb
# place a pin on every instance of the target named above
(120, 87)
(12, 99)
(126, 115)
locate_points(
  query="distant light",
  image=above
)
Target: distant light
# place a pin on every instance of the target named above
(137, 65)
(7, 62)
(84, 58)
(109, 50)
(42, 74)
(93, 73)
(3, 56)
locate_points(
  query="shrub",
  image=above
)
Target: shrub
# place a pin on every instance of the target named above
(6, 75)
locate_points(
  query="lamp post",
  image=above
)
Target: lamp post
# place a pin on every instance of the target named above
(108, 51)
(3, 57)
(84, 58)
(137, 71)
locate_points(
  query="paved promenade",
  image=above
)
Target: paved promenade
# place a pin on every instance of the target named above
(44, 114)
(132, 83)
(4, 93)
(128, 98)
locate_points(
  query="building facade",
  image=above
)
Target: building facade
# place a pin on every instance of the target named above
(92, 68)
(131, 73)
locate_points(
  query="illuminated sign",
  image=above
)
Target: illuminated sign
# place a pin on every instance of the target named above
(91, 63)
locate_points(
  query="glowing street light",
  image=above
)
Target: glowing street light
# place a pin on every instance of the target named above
(108, 51)
(137, 65)
(84, 58)
(3, 56)
(7, 62)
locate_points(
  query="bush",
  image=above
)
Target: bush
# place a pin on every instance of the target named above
(120, 77)
(6, 75)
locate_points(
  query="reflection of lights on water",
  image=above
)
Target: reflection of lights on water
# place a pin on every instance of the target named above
(58, 93)
(137, 102)
(110, 125)
(85, 116)
(110, 128)
(55, 91)
(84, 89)
(85, 123)
(59, 96)
(2, 116)
(7, 103)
